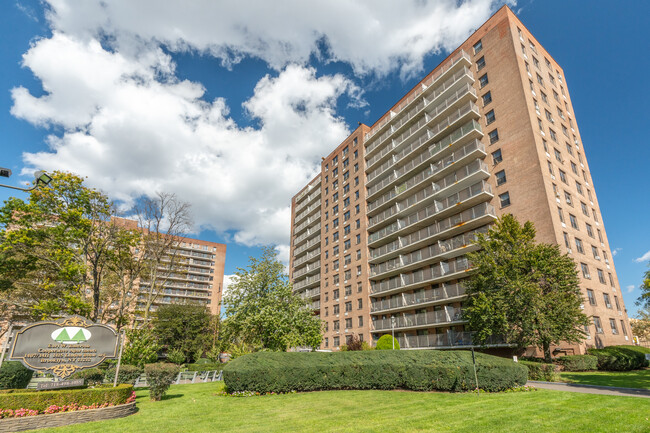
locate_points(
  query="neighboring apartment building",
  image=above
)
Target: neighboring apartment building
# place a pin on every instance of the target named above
(197, 278)
(379, 237)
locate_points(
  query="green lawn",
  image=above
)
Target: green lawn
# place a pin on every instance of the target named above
(196, 408)
(625, 379)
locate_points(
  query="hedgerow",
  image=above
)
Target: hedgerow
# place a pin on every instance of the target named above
(14, 375)
(541, 371)
(41, 400)
(416, 370)
(578, 362)
(620, 358)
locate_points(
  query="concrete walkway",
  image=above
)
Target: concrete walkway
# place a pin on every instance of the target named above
(591, 389)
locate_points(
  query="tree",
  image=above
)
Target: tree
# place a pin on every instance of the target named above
(184, 327)
(526, 292)
(644, 299)
(261, 309)
(165, 220)
(641, 324)
(141, 347)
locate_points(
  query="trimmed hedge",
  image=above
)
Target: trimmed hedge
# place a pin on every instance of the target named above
(41, 400)
(385, 342)
(128, 374)
(620, 358)
(541, 371)
(204, 367)
(91, 376)
(422, 370)
(14, 375)
(159, 378)
(578, 362)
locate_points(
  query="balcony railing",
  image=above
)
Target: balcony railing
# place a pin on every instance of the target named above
(419, 298)
(307, 257)
(310, 268)
(444, 316)
(308, 189)
(447, 340)
(438, 250)
(306, 223)
(315, 305)
(430, 274)
(307, 282)
(462, 55)
(307, 246)
(436, 208)
(311, 231)
(311, 293)
(302, 215)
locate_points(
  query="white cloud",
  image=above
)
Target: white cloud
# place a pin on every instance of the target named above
(123, 118)
(630, 288)
(643, 258)
(615, 251)
(371, 35)
(227, 280)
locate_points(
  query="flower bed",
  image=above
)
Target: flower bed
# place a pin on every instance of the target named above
(23, 412)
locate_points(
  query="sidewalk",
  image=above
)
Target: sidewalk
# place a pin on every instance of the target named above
(591, 389)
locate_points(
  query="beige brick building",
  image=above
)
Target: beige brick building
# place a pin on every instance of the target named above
(379, 237)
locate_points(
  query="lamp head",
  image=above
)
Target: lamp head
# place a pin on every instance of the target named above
(42, 178)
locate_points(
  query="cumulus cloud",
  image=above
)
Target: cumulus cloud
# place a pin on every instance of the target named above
(121, 116)
(630, 288)
(643, 258)
(370, 35)
(615, 251)
(227, 280)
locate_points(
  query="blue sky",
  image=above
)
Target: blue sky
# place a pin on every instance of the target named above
(261, 94)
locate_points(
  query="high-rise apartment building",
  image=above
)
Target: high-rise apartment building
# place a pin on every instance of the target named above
(379, 237)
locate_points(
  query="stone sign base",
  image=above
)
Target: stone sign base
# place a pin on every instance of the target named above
(10, 425)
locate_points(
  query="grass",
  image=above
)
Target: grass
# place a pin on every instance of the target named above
(624, 379)
(196, 408)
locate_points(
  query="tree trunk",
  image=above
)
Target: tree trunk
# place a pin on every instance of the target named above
(547, 352)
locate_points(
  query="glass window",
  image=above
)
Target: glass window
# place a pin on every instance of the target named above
(597, 324)
(478, 47)
(504, 199)
(501, 177)
(483, 80)
(612, 324)
(585, 270)
(591, 297)
(489, 117)
(496, 157)
(487, 98)
(494, 136)
(480, 63)
(579, 246)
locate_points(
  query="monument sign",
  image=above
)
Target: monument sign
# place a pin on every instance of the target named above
(64, 346)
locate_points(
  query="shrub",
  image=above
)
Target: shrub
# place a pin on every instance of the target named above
(41, 400)
(128, 374)
(204, 367)
(141, 347)
(385, 342)
(620, 358)
(176, 356)
(541, 371)
(424, 370)
(579, 362)
(14, 375)
(159, 377)
(91, 376)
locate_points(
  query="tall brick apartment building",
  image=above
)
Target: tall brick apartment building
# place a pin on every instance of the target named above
(379, 237)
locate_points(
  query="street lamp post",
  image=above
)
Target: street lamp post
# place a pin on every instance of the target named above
(40, 177)
(392, 330)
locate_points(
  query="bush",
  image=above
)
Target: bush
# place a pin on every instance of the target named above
(176, 356)
(128, 374)
(13, 375)
(159, 377)
(41, 400)
(385, 342)
(91, 376)
(424, 370)
(541, 371)
(578, 362)
(141, 347)
(204, 367)
(620, 358)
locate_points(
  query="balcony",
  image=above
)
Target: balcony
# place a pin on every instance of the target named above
(450, 339)
(309, 221)
(447, 316)
(311, 187)
(462, 58)
(307, 270)
(311, 232)
(307, 212)
(432, 109)
(311, 293)
(439, 132)
(310, 256)
(438, 273)
(315, 305)
(467, 197)
(446, 249)
(306, 247)
(306, 283)
(423, 298)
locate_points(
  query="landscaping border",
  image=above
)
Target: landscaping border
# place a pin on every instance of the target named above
(9, 425)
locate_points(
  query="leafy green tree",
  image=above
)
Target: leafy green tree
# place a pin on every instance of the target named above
(184, 327)
(528, 293)
(644, 299)
(387, 342)
(641, 324)
(262, 311)
(141, 347)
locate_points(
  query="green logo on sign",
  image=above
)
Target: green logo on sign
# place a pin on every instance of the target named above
(71, 335)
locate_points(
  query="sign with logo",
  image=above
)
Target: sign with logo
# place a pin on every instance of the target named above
(64, 346)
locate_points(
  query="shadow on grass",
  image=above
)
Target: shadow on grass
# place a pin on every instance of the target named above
(171, 396)
(623, 379)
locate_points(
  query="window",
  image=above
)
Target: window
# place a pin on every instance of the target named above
(585, 211)
(561, 114)
(335, 185)
(551, 78)
(359, 304)
(594, 251)
(527, 67)
(346, 175)
(496, 157)
(567, 197)
(335, 265)
(494, 136)
(608, 304)
(327, 342)
(541, 125)
(346, 230)
(591, 297)
(335, 172)
(356, 167)
(590, 231)
(566, 240)
(346, 202)
(483, 80)
(558, 155)
(623, 328)
(574, 221)
(356, 195)
(335, 296)
(358, 224)
(347, 244)
(563, 177)
(360, 319)
(501, 177)
(559, 212)
(358, 239)
(359, 287)
(335, 210)
(487, 98)
(504, 199)
(599, 327)
(356, 153)
(544, 98)
(337, 341)
(585, 271)
(348, 323)
(348, 306)
(555, 96)
(536, 62)
(358, 270)
(335, 250)
(335, 236)
(532, 46)
(356, 209)
(540, 80)
(335, 160)
(478, 47)
(549, 117)
(358, 254)
(346, 188)
(347, 260)
(574, 168)
(337, 310)
(579, 246)
(346, 216)
(611, 280)
(335, 196)
(601, 276)
(480, 63)
(553, 134)
(356, 181)
(335, 223)
(536, 106)
(550, 167)
(489, 117)
(612, 324)
(600, 236)
(523, 50)
(595, 215)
